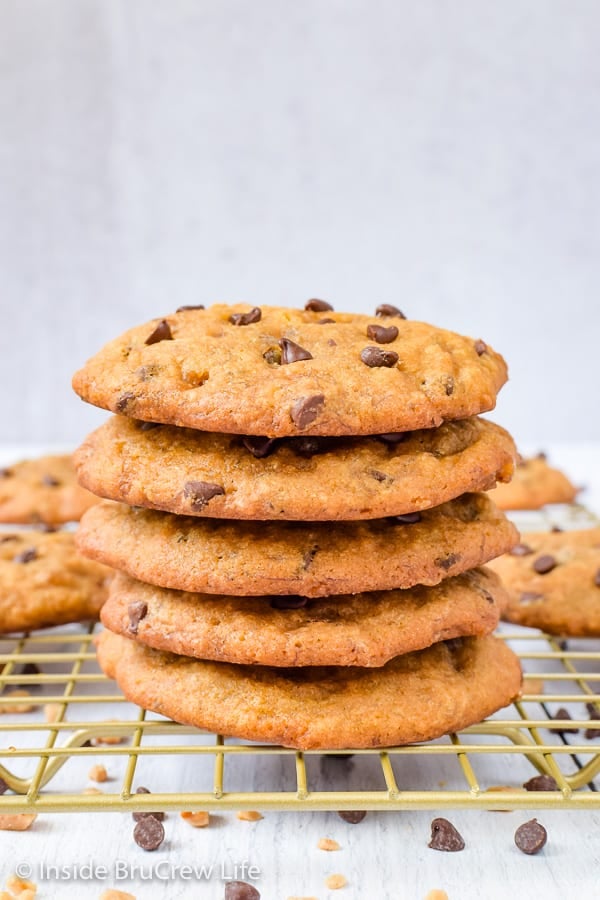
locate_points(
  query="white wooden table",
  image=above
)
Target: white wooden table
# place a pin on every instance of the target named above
(385, 857)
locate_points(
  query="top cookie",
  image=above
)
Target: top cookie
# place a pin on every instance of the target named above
(279, 372)
(534, 484)
(42, 490)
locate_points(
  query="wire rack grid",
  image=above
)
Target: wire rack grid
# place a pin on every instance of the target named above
(71, 716)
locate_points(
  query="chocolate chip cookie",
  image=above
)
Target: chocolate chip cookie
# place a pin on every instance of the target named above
(305, 478)
(415, 697)
(553, 581)
(42, 490)
(348, 630)
(311, 559)
(533, 485)
(283, 372)
(45, 581)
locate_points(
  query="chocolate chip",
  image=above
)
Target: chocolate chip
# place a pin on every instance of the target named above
(446, 562)
(382, 335)
(541, 783)
(375, 358)
(185, 308)
(307, 559)
(521, 550)
(326, 322)
(480, 347)
(292, 352)
(597, 578)
(248, 318)
(124, 401)
(544, 564)
(393, 437)
(591, 733)
(139, 816)
(137, 610)
(556, 530)
(162, 332)
(240, 890)
(200, 492)
(385, 309)
(541, 455)
(353, 816)
(26, 556)
(407, 519)
(5, 473)
(531, 837)
(259, 447)
(444, 836)
(563, 715)
(449, 385)
(309, 445)
(149, 833)
(379, 476)
(318, 306)
(148, 426)
(306, 410)
(5, 538)
(272, 356)
(288, 602)
(50, 481)
(530, 597)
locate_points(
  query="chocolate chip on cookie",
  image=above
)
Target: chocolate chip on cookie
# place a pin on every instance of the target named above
(521, 550)
(187, 308)
(292, 352)
(374, 357)
(254, 315)
(382, 335)
(259, 447)
(386, 309)
(162, 332)
(26, 556)
(318, 306)
(408, 518)
(136, 610)
(544, 564)
(199, 493)
(288, 602)
(304, 411)
(480, 347)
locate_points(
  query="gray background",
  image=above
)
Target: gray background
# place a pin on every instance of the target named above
(441, 156)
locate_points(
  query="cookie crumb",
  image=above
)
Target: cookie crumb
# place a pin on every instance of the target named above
(249, 815)
(98, 773)
(503, 788)
(199, 819)
(18, 886)
(92, 790)
(8, 708)
(328, 844)
(436, 894)
(111, 738)
(335, 882)
(17, 822)
(52, 712)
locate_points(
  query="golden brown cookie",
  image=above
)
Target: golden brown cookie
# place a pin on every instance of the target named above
(279, 372)
(553, 581)
(311, 559)
(45, 581)
(218, 475)
(533, 485)
(415, 697)
(43, 490)
(348, 630)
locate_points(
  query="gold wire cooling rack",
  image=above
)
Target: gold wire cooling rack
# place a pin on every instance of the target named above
(43, 764)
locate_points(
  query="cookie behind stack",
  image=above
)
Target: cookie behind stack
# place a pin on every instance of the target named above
(315, 585)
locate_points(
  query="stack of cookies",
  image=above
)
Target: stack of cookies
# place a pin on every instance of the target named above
(298, 531)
